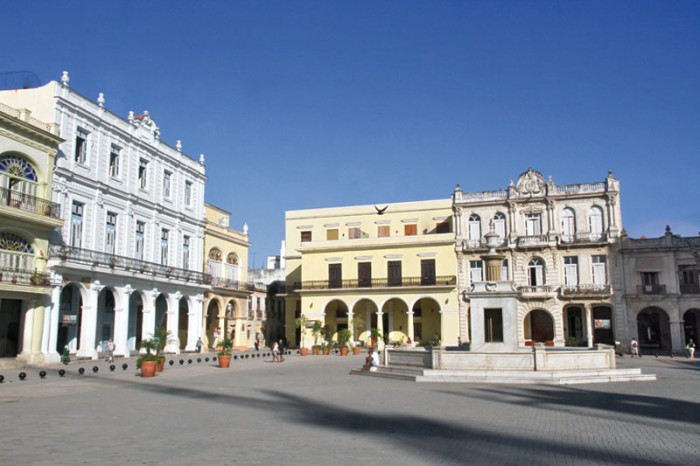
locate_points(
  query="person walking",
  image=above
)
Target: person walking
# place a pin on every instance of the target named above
(281, 347)
(275, 352)
(199, 344)
(634, 347)
(690, 347)
(109, 347)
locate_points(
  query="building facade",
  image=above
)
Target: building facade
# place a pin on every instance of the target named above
(28, 149)
(128, 257)
(226, 304)
(360, 268)
(535, 263)
(659, 291)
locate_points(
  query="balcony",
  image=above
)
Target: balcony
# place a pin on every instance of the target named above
(449, 280)
(72, 255)
(29, 203)
(221, 282)
(584, 237)
(651, 289)
(586, 291)
(23, 277)
(536, 292)
(532, 241)
(690, 288)
(469, 244)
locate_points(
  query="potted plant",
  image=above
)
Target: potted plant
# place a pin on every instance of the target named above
(374, 335)
(326, 348)
(147, 362)
(161, 338)
(225, 353)
(301, 323)
(343, 339)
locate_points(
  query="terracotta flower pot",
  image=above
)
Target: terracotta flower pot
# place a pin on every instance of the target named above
(326, 351)
(224, 361)
(148, 368)
(160, 364)
(344, 351)
(304, 351)
(356, 350)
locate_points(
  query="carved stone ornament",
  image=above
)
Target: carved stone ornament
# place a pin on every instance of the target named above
(531, 183)
(491, 286)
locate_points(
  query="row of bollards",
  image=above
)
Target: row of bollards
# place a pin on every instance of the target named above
(95, 369)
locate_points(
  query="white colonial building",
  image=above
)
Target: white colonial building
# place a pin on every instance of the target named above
(659, 289)
(534, 263)
(129, 256)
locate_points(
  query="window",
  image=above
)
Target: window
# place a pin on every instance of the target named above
(111, 234)
(443, 227)
(568, 225)
(143, 173)
(595, 222)
(427, 272)
(164, 245)
(167, 176)
(140, 231)
(599, 271)
(305, 236)
(383, 231)
(650, 278)
(688, 276)
(81, 145)
(571, 270)
(18, 176)
(188, 193)
(331, 234)
(364, 274)
(232, 266)
(536, 272)
(114, 156)
(504, 270)
(186, 252)
(394, 273)
(76, 224)
(410, 229)
(474, 231)
(493, 325)
(533, 225)
(476, 271)
(354, 233)
(499, 225)
(335, 275)
(214, 265)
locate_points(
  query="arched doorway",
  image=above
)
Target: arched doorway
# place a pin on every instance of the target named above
(183, 322)
(603, 331)
(212, 327)
(336, 316)
(427, 321)
(539, 326)
(654, 329)
(69, 319)
(364, 319)
(135, 330)
(575, 326)
(395, 320)
(691, 320)
(161, 313)
(104, 327)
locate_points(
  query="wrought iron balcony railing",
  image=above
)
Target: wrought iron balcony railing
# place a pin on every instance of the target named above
(29, 203)
(70, 254)
(229, 284)
(449, 280)
(690, 288)
(536, 290)
(651, 289)
(532, 241)
(586, 290)
(23, 277)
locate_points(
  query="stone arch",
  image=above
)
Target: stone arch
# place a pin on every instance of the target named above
(427, 319)
(70, 315)
(104, 322)
(364, 319)
(161, 310)
(654, 329)
(336, 316)
(538, 326)
(135, 329)
(395, 319)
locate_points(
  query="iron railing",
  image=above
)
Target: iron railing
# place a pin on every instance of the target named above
(24, 277)
(448, 280)
(651, 289)
(586, 290)
(70, 254)
(690, 288)
(229, 284)
(29, 203)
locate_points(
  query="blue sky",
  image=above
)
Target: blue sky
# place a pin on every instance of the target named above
(305, 104)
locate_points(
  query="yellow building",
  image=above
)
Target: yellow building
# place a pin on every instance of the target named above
(226, 304)
(28, 150)
(391, 268)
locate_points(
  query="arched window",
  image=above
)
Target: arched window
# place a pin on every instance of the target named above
(16, 253)
(499, 225)
(214, 263)
(595, 222)
(232, 266)
(474, 228)
(17, 174)
(568, 225)
(215, 254)
(535, 269)
(232, 259)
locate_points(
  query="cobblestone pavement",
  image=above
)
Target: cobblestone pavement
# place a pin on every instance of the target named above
(309, 410)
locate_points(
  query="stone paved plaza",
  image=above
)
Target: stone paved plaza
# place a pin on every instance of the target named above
(309, 410)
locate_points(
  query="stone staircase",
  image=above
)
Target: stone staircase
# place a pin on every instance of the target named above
(558, 377)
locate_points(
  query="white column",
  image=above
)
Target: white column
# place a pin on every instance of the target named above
(121, 322)
(88, 324)
(351, 325)
(173, 302)
(410, 330)
(589, 325)
(27, 326)
(194, 321)
(50, 336)
(380, 330)
(148, 323)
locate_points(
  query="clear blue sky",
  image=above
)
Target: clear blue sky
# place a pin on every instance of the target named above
(304, 104)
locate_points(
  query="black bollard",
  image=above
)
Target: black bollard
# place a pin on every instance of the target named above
(42, 374)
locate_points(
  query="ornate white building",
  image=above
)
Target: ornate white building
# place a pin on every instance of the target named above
(129, 256)
(534, 263)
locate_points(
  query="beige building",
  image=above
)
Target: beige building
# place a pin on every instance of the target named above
(546, 276)
(226, 304)
(28, 149)
(659, 292)
(390, 268)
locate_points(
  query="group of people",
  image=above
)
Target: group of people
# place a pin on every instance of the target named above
(278, 351)
(689, 348)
